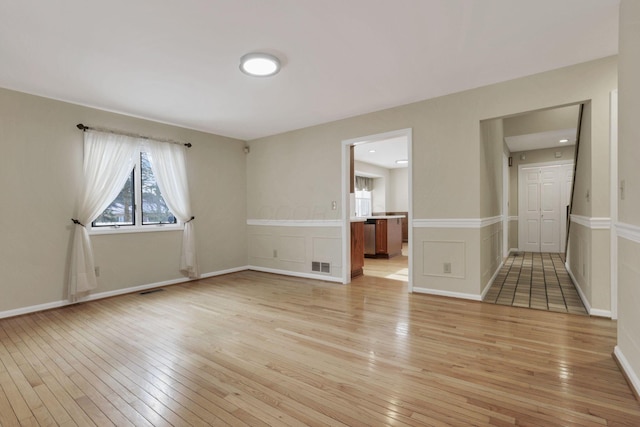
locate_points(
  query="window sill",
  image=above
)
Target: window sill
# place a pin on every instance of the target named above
(134, 229)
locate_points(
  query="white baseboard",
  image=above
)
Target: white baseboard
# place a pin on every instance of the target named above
(592, 311)
(101, 295)
(296, 274)
(460, 295)
(223, 272)
(634, 381)
(490, 284)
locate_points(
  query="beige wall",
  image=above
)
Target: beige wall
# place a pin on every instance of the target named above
(398, 200)
(629, 209)
(40, 176)
(542, 121)
(446, 160)
(491, 148)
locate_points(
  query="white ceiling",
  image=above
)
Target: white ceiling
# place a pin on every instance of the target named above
(385, 154)
(177, 61)
(540, 140)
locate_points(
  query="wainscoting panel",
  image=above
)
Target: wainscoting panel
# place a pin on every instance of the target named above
(490, 252)
(291, 249)
(260, 246)
(327, 249)
(436, 254)
(288, 247)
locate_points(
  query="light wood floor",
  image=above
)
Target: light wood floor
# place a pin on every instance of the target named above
(258, 349)
(395, 268)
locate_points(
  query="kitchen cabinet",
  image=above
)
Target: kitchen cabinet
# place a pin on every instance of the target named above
(405, 224)
(383, 236)
(357, 248)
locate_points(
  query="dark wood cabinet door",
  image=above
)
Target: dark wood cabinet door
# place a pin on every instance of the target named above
(357, 248)
(381, 236)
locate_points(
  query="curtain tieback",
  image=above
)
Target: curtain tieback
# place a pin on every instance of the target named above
(75, 221)
(190, 219)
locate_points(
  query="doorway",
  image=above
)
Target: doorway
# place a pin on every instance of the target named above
(384, 172)
(544, 195)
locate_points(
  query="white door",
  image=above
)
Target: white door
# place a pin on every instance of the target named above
(542, 196)
(529, 210)
(549, 209)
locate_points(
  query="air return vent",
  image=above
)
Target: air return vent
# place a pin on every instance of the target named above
(321, 267)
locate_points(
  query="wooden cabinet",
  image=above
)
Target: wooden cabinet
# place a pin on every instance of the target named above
(388, 238)
(405, 224)
(381, 236)
(357, 248)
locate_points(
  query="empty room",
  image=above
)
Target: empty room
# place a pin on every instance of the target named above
(204, 221)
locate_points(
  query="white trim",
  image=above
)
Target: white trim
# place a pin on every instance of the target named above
(295, 222)
(513, 250)
(514, 218)
(613, 156)
(101, 295)
(457, 222)
(490, 284)
(628, 370)
(223, 272)
(123, 229)
(485, 222)
(592, 311)
(295, 274)
(592, 223)
(449, 294)
(505, 205)
(628, 231)
(447, 223)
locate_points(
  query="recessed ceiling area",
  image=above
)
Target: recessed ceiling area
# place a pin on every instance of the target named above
(177, 62)
(538, 141)
(384, 153)
(550, 128)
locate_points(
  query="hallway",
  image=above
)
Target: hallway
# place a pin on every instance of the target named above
(535, 280)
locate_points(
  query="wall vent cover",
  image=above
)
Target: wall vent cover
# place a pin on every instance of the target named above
(321, 267)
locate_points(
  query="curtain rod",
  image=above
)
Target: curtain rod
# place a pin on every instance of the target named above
(134, 135)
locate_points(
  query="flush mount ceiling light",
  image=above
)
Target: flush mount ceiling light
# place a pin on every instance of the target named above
(259, 64)
(563, 141)
(372, 151)
(402, 162)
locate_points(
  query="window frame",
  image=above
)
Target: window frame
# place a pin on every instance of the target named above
(137, 226)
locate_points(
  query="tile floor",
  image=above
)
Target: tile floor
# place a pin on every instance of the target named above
(535, 280)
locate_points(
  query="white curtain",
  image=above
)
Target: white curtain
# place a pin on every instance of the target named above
(108, 161)
(169, 167)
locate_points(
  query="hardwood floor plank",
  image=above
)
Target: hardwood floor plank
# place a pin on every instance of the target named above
(261, 349)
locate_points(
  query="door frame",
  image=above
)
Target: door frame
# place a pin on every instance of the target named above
(613, 138)
(505, 205)
(346, 203)
(535, 165)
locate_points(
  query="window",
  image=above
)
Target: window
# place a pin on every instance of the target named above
(139, 205)
(363, 203)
